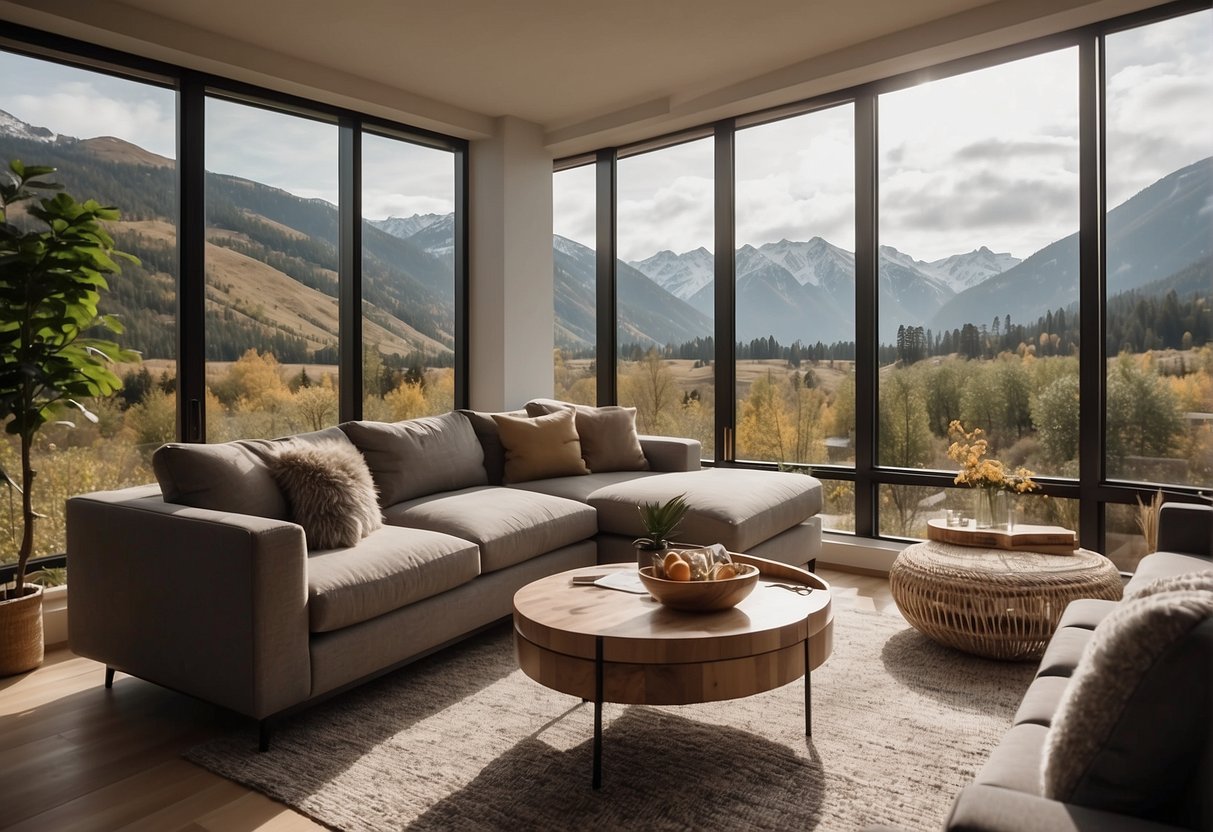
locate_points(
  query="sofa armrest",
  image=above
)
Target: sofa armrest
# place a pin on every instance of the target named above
(980, 808)
(208, 603)
(1186, 529)
(671, 453)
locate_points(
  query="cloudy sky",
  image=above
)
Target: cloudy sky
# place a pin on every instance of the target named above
(296, 154)
(988, 158)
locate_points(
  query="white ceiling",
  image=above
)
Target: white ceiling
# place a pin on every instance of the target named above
(589, 73)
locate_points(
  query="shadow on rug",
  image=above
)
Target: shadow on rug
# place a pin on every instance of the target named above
(464, 740)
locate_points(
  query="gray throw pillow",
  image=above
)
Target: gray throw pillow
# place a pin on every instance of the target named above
(330, 492)
(420, 456)
(1134, 722)
(608, 434)
(231, 477)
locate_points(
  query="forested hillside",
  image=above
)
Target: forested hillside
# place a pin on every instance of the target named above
(274, 242)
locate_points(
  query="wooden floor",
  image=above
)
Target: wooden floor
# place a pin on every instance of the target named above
(75, 756)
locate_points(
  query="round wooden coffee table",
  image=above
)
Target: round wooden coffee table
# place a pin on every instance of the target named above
(604, 645)
(997, 603)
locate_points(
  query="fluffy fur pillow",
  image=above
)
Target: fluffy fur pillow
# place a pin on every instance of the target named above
(1135, 713)
(330, 492)
(536, 449)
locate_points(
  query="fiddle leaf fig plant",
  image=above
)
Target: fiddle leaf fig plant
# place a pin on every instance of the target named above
(53, 265)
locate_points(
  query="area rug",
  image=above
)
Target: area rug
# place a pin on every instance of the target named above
(464, 740)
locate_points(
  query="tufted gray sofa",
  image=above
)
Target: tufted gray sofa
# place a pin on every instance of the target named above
(205, 585)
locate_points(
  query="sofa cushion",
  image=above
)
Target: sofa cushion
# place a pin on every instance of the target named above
(224, 477)
(608, 434)
(510, 526)
(1086, 613)
(1015, 761)
(419, 456)
(1135, 723)
(386, 570)
(1202, 581)
(330, 492)
(580, 488)
(230, 476)
(1163, 564)
(735, 507)
(539, 448)
(1040, 703)
(1064, 651)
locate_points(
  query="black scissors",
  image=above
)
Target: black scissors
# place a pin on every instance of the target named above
(797, 588)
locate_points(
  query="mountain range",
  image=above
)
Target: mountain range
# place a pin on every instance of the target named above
(806, 291)
(272, 259)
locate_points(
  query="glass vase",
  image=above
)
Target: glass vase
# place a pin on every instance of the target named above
(992, 509)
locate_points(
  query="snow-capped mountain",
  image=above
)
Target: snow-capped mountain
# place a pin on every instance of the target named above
(10, 125)
(806, 290)
(964, 271)
(437, 238)
(405, 227)
(682, 275)
(815, 263)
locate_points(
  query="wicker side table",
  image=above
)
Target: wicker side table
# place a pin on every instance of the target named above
(993, 602)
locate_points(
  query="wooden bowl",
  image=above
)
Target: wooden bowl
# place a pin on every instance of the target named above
(701, 596)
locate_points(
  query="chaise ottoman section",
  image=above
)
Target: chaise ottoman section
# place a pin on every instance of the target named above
(390, 568)
(736, 507)
(509, 525)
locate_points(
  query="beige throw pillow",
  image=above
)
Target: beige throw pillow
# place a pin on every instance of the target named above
(608, 434)
(330, 492)
(540, 448)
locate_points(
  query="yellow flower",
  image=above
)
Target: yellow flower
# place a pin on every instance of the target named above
(976, 470)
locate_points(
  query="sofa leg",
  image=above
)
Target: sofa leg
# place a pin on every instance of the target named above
(109, 677)
(265, 730)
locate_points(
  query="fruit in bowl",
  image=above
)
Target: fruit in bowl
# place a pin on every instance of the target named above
(732, 583)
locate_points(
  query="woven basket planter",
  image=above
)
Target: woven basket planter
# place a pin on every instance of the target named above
(21, 632)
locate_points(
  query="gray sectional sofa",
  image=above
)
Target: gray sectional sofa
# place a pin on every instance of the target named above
(205, 583)
(1153, 768)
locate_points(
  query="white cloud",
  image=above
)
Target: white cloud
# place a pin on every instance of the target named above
(573, 210)
(666, 200)
(1159, 101)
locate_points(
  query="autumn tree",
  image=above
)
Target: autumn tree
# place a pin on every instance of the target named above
(649, 386)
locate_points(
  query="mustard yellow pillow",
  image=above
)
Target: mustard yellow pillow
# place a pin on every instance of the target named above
(540, 448)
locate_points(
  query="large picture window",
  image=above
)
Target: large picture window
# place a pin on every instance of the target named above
(1159, 320)
(978, 274)
(111, 139)
(665, 290)
(795, 289)
(248, 327)
(574, 286)
(271, 272)
(408, 279)
(908, 256)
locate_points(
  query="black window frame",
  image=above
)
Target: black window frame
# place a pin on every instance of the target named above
(1092, 488)
(192, 88)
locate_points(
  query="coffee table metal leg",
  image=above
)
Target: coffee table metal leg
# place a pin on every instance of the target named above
(808, 694)
(596, 780)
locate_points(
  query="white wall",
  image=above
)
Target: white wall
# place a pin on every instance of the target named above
(510, 264)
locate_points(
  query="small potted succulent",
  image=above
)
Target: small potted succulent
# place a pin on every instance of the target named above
(660, 521)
